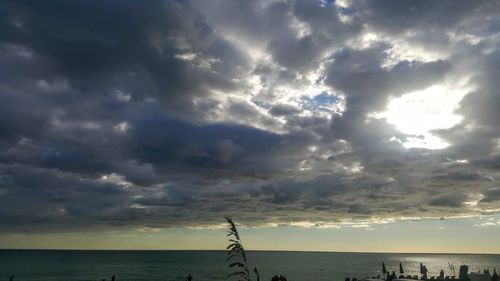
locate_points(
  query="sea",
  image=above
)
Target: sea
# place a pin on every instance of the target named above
(69, 265)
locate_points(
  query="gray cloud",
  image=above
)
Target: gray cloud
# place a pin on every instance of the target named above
(452, 200)
(178, 113)
(491, 195)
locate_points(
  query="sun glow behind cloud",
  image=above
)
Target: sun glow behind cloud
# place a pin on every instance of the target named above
(418, 113)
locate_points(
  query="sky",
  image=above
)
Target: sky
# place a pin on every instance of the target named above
(316, 125)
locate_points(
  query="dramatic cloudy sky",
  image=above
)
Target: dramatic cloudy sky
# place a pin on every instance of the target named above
(150, 121)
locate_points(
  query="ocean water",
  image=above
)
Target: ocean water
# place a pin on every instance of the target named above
(210, 265)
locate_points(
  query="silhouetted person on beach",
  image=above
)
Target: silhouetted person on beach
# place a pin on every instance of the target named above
(441, 274)
(189, 277)
(113, 278)
(11, 278)
(494, 277)
(423, 270)
(463, 273)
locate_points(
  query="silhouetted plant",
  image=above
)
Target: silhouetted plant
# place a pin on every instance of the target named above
(237, 258)
(278, 278)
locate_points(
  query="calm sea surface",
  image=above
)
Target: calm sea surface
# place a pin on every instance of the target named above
(210, 265)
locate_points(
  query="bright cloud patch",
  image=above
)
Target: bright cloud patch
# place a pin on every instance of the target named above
(418, 113)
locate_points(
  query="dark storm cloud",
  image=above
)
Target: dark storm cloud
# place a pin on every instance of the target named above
(491, 195)
(407, 15)
(210, 149)
(51, 198)
(480, 105)
(124, 45)
(359, 209)
(178, 113)
(452, 200)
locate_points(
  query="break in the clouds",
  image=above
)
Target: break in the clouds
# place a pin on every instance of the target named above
(128, 114)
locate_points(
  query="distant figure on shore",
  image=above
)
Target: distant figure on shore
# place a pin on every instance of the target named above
(11, 278)
(441, 274)
(494, 277)
(189, 277)
(423, 271)
(463, 273)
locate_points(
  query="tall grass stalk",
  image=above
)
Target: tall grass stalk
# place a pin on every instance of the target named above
(237, 259)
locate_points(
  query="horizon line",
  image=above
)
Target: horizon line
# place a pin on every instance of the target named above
(247, 250)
